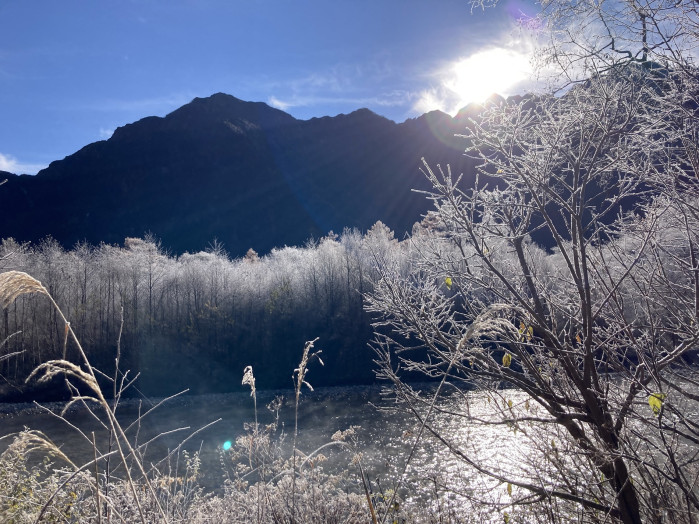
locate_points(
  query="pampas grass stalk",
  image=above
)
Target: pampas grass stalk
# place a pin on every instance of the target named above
(249, 379)
(116, 392)
(97, 481)
(14, 284)
(299, 377)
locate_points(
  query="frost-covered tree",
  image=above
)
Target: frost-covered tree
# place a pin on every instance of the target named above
(197, 315)
(569, 272)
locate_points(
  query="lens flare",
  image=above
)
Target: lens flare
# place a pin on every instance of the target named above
(227, 445)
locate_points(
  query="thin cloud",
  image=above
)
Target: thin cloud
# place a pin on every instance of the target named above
(391, 99)
(342, 84)
(279, 104)
(435, 98)
(343, 77)
(106, 133)
(12, 165)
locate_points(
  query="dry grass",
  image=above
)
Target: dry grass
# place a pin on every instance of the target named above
(39, 483)
(263, 481)
(16, 283)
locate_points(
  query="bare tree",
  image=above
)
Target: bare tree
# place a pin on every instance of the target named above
(569, 272)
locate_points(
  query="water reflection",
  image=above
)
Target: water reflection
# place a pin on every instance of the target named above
(386, 437)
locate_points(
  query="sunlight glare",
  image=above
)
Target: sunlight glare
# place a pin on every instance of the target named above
(475, 78)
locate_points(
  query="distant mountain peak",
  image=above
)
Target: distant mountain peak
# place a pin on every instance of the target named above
(243, 172)
(365, 112)
(221, 107)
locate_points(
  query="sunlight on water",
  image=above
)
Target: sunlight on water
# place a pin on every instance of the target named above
(385, 438)
(439, 475)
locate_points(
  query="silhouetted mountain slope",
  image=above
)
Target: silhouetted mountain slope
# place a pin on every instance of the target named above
(244, 173)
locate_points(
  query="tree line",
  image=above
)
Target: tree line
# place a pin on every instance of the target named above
(197, 319)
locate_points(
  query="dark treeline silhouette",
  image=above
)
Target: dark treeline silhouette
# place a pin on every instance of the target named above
(195, 320)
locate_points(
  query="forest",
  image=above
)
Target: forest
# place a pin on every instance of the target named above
(196, 320)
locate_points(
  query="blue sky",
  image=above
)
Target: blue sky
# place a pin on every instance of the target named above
(72, 71)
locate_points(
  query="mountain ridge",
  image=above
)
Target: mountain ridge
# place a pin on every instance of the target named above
(244, 173)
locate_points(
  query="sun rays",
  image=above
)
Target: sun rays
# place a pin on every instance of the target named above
(474, 78)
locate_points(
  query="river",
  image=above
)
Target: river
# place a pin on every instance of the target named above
(423, 470)
(223, 419)
(384, 437)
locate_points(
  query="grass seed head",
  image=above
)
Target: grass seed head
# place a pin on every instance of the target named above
(16, 283)
(249, 379)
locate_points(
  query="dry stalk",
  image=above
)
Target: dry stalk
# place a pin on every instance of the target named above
(299, 380)
(14, 284)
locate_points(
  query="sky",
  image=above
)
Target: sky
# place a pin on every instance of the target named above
(73, 71)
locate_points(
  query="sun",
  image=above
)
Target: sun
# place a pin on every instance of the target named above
(495, 70)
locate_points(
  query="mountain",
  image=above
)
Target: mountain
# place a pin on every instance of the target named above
(240, 172)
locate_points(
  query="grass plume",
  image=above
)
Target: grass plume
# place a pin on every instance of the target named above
(13, 284)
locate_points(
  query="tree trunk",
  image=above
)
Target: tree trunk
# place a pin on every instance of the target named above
(627, 500)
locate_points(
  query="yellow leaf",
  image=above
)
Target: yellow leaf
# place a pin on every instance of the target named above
(506, 517)
(524, 330)
(509, 489)
(577, 338)
(447, 281)
(526, 405)
(506, 360)
(509, 404)
(655, 401)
